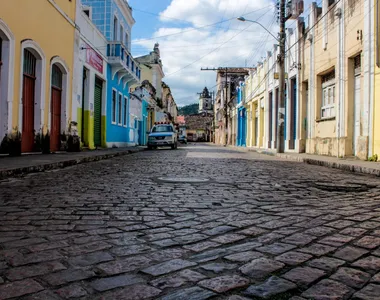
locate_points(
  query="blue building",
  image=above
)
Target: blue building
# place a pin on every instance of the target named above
(114, 19)
(242, 117)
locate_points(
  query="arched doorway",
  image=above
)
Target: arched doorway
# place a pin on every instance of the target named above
(28, 101)
(56, 108)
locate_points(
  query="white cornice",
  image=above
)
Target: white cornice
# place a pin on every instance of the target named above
(127, 12)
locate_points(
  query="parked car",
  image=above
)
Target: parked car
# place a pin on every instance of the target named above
(162, 135)
(182, 139)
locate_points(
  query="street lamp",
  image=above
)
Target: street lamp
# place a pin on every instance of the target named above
(280, 142)
(242, 19)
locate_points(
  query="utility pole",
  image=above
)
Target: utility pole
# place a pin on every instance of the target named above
(280, 144)
(226, 73)
(226, 98)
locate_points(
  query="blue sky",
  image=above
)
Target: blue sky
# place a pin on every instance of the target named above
(146, 23)
(202, 33)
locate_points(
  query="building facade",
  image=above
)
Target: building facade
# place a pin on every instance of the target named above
(168, 103)
(90, 80)
(139, 112)
(339, 108)
(206, 102)
(331, 86)
(36, 70)
(114, 20)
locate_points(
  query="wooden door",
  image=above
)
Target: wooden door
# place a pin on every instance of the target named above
(56, 109)
(28, 91)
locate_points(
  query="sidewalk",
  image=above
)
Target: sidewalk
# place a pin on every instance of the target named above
(13, 166)
(346, 164)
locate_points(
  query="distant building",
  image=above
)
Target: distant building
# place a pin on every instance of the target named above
(205, 102)
(199, 128)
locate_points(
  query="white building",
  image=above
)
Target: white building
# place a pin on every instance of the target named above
(89, 80)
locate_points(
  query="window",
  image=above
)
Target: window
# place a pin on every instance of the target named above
(125, 110)
(87, 12)
(328, 95)
(121, 33)
(127, 40)
(114, 107)
(163, 128)
(120, 107)
(115, 28)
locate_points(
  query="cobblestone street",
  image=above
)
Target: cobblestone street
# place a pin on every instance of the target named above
(261, 227)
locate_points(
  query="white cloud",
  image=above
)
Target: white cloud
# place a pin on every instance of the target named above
(231, 43)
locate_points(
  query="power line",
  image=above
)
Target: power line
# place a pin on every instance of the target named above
(200, 27)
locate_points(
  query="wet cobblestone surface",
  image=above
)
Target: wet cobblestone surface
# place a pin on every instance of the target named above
(261, 228)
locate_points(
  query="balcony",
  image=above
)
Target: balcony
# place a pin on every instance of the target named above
(123, 65)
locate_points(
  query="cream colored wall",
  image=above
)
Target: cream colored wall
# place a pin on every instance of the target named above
(325, 139)
(41, 22)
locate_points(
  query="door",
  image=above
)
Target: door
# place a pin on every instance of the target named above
(244, 128)
(357, 110)
(356, 113)
(256, 127)
(98, 112)
(29, 80)
(275, 115)
(292, 108)
(56, 109)
(270, 121)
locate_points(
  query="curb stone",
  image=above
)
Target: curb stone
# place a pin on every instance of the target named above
(4, 174)
(350, 167)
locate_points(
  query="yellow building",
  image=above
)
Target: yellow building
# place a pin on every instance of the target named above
(255, 87)
(37, 43)
(338, 110)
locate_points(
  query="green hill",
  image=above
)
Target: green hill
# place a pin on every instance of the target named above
(188, 109)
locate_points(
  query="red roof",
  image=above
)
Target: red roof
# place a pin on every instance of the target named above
(181, 119)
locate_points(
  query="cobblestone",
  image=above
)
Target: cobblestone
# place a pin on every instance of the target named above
(224, 283)
(109, 283)
(303, 276)
(328, 289)
(350, 253)
(167, 267)
(19, 288)
(293, 258)
(326, 263)
(370, 292)
(192, 293)
(123, 235)
(351, 277)
(177, 279)
(71, 291)
(261, 267)
(271, 287)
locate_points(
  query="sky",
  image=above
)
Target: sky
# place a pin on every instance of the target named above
(195, 34)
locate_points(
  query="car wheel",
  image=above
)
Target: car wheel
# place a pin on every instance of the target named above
(149, 147)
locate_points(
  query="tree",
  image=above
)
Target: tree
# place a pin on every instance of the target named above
(187, 110)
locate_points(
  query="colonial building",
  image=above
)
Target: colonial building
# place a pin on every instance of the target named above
(168, 103)
(225, 104)
(90, 80)
(36, 70)
(152, 70)
(206, 102)
(338, 110)
(114, 19)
